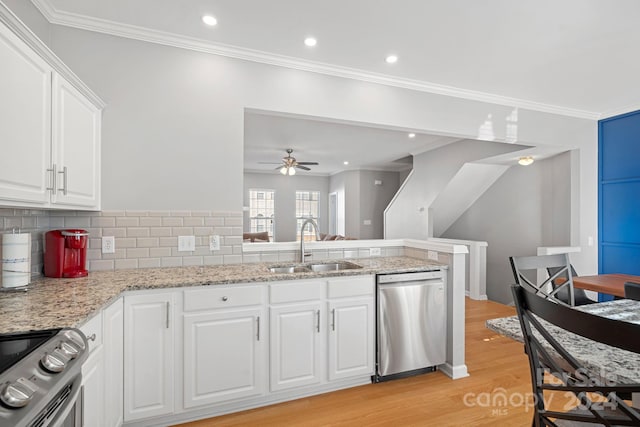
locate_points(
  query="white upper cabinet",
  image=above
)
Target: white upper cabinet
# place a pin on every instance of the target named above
(25, 122)
(50, 125)
(75, 147)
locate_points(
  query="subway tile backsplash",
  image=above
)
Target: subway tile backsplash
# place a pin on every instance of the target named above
(147, 239)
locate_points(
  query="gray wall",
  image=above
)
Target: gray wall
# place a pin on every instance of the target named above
(374, 200)
(515, 217)
(285, 199)
(31, 16)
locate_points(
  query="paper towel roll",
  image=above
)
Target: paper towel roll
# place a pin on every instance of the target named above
(16, 260)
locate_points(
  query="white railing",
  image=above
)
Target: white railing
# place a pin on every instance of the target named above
(476, 263)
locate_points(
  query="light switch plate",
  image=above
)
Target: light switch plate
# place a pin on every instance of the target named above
(108, 245)
(214, 242)
(433, 255)
(186, 243)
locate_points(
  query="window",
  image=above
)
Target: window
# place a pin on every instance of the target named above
(307, 206)
(261, 211)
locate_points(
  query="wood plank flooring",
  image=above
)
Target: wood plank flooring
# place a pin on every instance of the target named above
(497, 367)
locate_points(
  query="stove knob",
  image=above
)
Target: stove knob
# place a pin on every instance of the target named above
(17, 394)
(74, 337)
(69, 349)
(53, 362)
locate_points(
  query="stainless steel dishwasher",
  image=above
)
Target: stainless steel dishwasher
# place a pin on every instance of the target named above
(411, 323)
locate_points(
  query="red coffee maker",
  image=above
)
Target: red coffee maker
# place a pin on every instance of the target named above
(65, 253)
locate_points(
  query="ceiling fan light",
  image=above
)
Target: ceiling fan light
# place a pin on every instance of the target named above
(292, 171)
(283, 170)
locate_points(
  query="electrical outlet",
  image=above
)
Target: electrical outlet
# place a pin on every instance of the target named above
(433, 255)
(108, 245)
(366, 222)
(374, 251)
(186, 243)
(214, 242)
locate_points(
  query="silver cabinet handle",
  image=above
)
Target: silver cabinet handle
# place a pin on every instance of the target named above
(168, 307)
(318, 322)
(64, 181)
(225, 298)
(333, 319)
(54, 174)
(258, 329)
(91, 337)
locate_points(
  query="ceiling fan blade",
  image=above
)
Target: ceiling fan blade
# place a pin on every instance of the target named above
(302, 167)
(269, 163)
(309, 163)
(278, 168)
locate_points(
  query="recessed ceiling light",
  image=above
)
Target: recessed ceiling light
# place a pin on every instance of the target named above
(209, 20)
(310, 41)
(412, 135)
(345, 163)
(525, 160)
(391, 59)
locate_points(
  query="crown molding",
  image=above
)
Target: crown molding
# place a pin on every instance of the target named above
(619, 111)
(24, 33)
(89, 23)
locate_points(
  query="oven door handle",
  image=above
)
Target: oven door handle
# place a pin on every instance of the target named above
(74, 402)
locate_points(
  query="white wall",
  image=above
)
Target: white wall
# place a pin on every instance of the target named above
(516, 213)
(172, 135)
(408, 216)
(285, 199)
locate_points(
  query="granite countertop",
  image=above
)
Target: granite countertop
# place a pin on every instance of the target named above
(57, 303)
(593, 355)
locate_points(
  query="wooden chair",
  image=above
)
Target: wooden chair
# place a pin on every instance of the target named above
(632, 290)
(548, 356)
(525, 270)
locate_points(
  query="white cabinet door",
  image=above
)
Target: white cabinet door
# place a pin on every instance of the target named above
(351, 338)
(93, 390)
(25, 123)
(113, 319)
(75, 147)
(296, 345)
(148, 355)
(223, 356)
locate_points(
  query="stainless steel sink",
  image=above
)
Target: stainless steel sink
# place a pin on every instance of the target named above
(283, 269)
(333, 266)
(316, 267)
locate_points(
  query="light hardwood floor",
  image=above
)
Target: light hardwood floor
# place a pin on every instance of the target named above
(497, 366)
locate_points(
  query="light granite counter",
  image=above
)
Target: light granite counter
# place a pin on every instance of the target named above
(57, 303)
(593, 355)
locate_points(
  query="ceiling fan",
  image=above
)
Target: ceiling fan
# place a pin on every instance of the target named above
(290, 164)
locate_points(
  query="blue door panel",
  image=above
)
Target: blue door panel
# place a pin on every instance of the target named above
(620, 214)
(620, 145)
(620, 259)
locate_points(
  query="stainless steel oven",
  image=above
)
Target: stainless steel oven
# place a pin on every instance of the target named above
(40, 378)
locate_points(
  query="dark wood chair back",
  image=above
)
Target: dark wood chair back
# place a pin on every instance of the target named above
(557, 287)
(548, 358)
(632, 290)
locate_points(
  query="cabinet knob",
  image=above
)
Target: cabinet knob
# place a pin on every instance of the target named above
(225, 298)
(91, 337)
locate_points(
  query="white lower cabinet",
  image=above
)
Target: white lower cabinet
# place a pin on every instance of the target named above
(351, 338)
(93, 389)
(296, 345)
(223, 356)
(148, 355)
(113, 321)
(215, 349)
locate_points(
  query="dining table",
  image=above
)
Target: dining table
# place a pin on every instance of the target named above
(611, 284)
(594, 356)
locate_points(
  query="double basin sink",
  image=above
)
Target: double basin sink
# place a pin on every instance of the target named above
(315, 267)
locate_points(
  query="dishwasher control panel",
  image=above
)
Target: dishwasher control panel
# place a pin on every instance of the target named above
(409, 277)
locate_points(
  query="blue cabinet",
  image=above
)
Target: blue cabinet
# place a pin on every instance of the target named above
(619, 194)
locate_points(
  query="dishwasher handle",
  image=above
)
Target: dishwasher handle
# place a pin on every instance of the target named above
(410, 277)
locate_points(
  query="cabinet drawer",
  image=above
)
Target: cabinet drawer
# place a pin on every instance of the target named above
(340, 287)
(222, 297)
(297, 291)
(93, 331)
